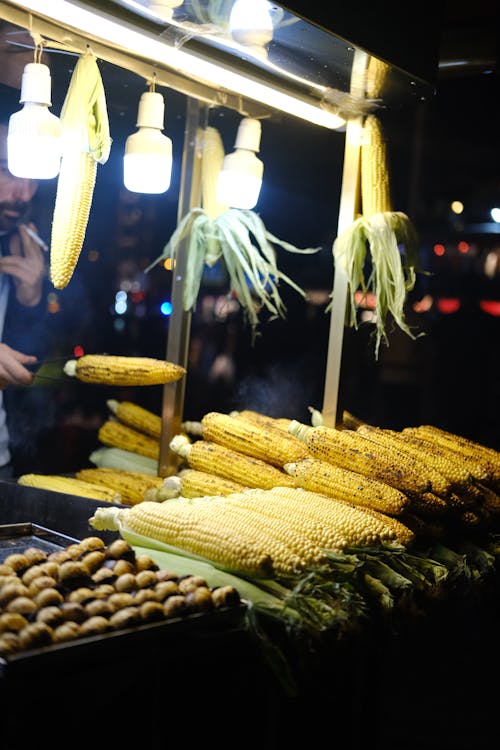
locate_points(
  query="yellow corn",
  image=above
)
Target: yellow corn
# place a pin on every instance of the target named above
(350, 422)
(204, 531)
(86, 139)
(260, 418)
(344, 484)
(349, 525)
(118, 435)
(194, 483)
(374, 170)
(208, 456)
(136, 416)
(349, 449)
(131, 485)
(75, 188)
(123, 371)
(268, 443)
(70, 486)
(472, 453)
(431, 465)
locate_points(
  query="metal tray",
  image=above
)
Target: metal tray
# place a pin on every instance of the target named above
(150, 637)
(16, 537)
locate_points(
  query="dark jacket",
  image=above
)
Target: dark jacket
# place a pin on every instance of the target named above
(29, 410)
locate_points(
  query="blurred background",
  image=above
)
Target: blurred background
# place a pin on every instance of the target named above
(445, 174)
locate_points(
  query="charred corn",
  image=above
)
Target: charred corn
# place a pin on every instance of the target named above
(265, 442)
(70, 486)
(194, 483)
(123, 371)
(472, 453)
(211, 457)
(429, 464)
(136, 416)
(131, 485)
(344, 484)
(350, 450)
(260, 418)
(117, 435)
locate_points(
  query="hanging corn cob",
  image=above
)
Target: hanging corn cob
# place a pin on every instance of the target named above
(87, 142)
(382, 231)
(238, 237)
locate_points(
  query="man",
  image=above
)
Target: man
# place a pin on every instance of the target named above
(22, 298)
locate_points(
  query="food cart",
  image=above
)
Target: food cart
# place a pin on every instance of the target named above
(223, 678)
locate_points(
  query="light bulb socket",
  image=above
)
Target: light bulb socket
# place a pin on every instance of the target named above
(36, 84)
(151, 112)
(249, 134)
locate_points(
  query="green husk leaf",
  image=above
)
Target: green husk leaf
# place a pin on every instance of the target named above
(241, 240)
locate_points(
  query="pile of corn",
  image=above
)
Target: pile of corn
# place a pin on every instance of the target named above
(261, 496)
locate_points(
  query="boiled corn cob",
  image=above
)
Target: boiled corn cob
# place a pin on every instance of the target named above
(215, 536)
(344, 484)
(349, 449)
(70, 486)
(123, 371)
(131, 485)
(86, 139)
(118, 458)
(136, 416)
(214, 458)
(268, 443)
(75, 189)
(375, 189)
(117, 435)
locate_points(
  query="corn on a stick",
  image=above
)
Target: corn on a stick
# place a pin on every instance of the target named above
(123, 371)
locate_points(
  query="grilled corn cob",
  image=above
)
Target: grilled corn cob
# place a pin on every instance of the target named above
(117, 435)
(434, 469)
(123, 371)
(268, 443)
(131, 485)
(349, 449)
(208, 456)
(344, 484)
(466, 449)
(195, 483)
(260, 418)
(70, 486)
(136, 416)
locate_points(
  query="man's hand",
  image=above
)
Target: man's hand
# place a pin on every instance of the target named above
(26, 264)
(12, 370)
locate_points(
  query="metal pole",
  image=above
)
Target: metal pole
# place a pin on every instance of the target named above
(332, 408)
(180, 319)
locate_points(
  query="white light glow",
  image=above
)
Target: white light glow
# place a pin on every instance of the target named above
(147, 163)
(495, 215)
(250, 23)
(240, 178)
(34, 135)
(133, 41)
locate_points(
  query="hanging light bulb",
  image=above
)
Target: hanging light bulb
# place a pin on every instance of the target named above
(240, 178)
(34, 140)
(147, 163)
(250, 24)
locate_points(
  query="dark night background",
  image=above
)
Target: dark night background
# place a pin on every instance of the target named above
(444, 149)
